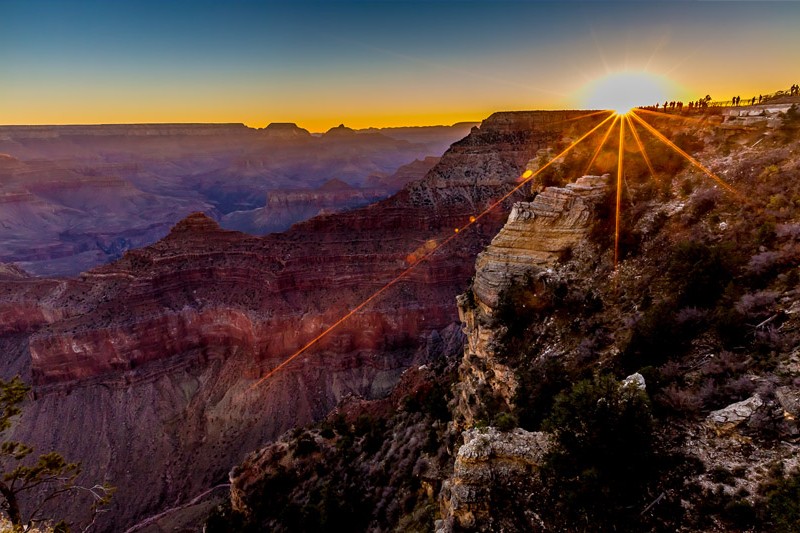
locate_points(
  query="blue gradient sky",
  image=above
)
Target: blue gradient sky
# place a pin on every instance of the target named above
(371, 63)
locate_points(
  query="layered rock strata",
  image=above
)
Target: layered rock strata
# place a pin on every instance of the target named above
(535, 235)
(74, 197)
(157, 355)
(532, 240)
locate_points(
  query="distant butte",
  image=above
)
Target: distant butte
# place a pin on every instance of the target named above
(340, 130)
(285, 130)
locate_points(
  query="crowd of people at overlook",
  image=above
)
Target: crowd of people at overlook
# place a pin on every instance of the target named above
(703, 103)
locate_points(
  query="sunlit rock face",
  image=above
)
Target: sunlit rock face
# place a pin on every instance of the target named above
(157, 355)
(535, 234)
(531, 241)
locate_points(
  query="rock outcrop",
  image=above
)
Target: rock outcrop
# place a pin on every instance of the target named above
(730, 417)
(404, 175)
(285, 130)
(532, 240)
(535, 236)
(489, 455)
(12, 271)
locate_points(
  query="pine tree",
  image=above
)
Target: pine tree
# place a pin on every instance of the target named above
(47, 477)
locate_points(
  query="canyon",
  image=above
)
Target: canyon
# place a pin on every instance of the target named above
(74, 197)
(650, 387)
(159, 354)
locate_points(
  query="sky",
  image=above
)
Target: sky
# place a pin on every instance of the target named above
(375, 63)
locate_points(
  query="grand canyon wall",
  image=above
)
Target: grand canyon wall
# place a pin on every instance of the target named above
(147, 369)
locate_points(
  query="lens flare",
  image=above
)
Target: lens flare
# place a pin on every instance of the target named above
(641, 149)
(419, 260)
(619, 192)
(660, 136)
(600, 146)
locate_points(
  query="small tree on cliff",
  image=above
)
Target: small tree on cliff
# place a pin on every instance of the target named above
(47, 478)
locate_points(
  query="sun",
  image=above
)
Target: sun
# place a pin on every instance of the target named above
(626, 90)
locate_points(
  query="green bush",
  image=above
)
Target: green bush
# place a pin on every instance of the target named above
(781, 510)
(505, 422)
(603, 455)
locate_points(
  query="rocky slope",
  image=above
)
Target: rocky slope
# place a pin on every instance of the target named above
(286, 207)
(157, 354)
(660, 395)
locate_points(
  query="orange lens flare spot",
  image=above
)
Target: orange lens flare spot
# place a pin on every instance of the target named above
(472, 219)
(527, 174)
(456, 230)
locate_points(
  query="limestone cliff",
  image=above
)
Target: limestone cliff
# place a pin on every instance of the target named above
(536, 234)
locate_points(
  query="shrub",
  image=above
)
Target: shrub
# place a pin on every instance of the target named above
(603, 454)
(781, 510)
(701, 272)
(505, 422)
(538, 387)
(306, 445)
(703, 202)
(663, 332)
